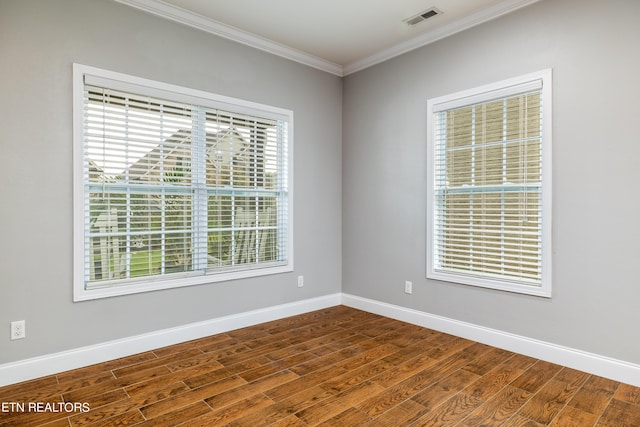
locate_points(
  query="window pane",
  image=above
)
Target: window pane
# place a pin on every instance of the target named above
(146, 255)
(219, 236)
(488, 211)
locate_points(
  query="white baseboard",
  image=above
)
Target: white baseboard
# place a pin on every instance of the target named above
(24, 370)
(36, 367)
(603, 366)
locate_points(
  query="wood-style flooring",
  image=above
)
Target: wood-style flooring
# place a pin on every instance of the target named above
(333, 367)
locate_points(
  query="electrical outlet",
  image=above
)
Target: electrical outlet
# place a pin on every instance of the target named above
(408, 287)
(300, 281)
(18, 330)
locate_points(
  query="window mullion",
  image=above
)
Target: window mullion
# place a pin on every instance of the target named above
(199, 185)
(127, 203)
(163, 229)
(504, 182)
(233, 213)
(473, 183)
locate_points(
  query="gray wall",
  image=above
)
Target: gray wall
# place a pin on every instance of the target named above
(39, 41)
(592, 47)
(359, 195)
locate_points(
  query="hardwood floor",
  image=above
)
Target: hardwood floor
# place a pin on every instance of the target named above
(334, 367)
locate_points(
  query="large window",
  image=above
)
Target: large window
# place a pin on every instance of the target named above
(489, 187)
(175, 186)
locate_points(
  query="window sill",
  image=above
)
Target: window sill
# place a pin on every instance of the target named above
(81, 293)
(543, 290)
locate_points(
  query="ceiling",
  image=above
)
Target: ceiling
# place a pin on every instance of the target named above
(338, 36)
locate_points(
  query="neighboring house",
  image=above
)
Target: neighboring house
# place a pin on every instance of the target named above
(226, 150)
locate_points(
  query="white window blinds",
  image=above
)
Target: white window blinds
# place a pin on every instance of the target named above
(174, 189)
(488, 189)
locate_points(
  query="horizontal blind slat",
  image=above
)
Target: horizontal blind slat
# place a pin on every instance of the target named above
(165, 183)
(485, 146)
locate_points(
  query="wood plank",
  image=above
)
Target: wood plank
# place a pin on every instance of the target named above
(548, 401)
(80, 394)
(350, 417)
(398, 393)
(619, 413)
(520, 421)
(449, 413)
(497, 410)
(103, 412)
(63, 422)
(594, 396)
(487, 361)
(317, 377)
(291, 421)
(493, 381)
(337, 404)
(356, 376)
(283, 408)
(572, 417)
(229, 413)
(167, 405)
(536, 376)
(367, 356)
(16, 390)
(404, 370)
(222, 399)
(106, 366)
(124, 419)
(159, 393)
(628, 393)
(273, 367)
(401, 415)
(220, 339)
(332, 367)
(442, 390)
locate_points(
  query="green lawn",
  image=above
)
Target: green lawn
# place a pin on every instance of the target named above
(146, 263)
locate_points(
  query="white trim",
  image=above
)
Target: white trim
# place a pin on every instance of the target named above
(539, 80)
(595, 364)
(36, 367)
(83, 75)
(158, 284)
(183, 16)
(492, 91)
(94, 76)
(217, 28)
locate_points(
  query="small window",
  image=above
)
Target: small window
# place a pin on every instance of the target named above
(489, 186)
(175, 187)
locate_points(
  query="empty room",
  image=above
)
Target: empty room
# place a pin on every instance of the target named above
(288, 213)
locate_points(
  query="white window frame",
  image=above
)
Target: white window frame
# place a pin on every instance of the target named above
(473, 96)
(148, 87)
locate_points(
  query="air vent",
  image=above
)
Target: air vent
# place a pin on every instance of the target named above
(429, 13)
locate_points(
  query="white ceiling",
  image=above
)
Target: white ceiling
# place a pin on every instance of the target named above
(338, 36)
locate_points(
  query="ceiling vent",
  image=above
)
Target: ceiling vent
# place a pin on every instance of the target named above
(429, 13)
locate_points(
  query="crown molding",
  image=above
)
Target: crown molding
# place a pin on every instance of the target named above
(183, 16)
(424, 39)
